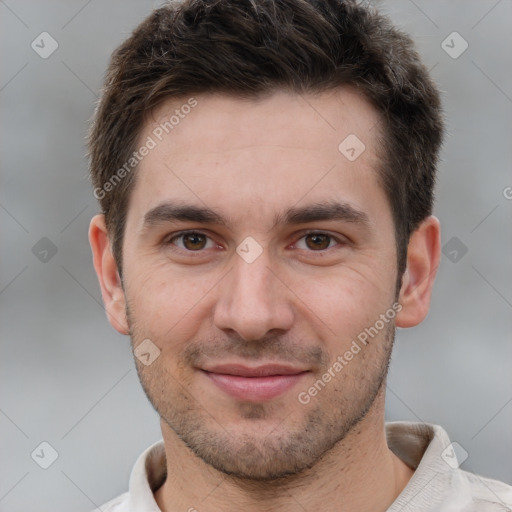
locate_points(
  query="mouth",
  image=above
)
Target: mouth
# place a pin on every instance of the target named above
(254, 384)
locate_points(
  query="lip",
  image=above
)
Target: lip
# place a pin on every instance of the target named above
(254, 384)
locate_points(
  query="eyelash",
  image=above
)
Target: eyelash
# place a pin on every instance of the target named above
(168, 241)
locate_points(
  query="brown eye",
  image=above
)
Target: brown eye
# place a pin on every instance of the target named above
(191, 241)
(317, 241)
(194, 241)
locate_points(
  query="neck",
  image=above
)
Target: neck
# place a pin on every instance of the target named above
(359, 473)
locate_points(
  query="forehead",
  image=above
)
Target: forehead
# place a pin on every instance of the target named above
(308, 121)
(239, 155)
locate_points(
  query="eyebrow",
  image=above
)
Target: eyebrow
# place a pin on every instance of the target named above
(168, 212)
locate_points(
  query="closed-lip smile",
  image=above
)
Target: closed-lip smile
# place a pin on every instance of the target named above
(254, 384)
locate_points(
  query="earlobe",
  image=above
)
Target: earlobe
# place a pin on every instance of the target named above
(423, 256)
(108, 275)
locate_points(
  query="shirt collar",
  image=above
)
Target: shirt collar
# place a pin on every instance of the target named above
(436, 484)
(147, 476)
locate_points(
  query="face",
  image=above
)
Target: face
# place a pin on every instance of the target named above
(256, 257)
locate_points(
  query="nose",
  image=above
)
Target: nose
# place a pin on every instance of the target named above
(253, 300)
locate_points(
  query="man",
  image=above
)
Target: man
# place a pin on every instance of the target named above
(265, 171)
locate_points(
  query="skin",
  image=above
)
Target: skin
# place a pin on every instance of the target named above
(302, 301)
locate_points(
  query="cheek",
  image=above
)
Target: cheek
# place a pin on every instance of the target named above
(168, 305)
(346, 303)
(156, 289)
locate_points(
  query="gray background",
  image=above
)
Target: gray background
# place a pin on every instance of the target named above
(69, 379)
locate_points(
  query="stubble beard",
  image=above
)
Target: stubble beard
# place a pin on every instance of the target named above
(287, 450)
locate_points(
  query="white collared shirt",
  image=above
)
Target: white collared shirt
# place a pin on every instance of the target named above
(438, 483)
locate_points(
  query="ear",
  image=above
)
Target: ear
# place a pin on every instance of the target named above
(108, 275)
(423, 256)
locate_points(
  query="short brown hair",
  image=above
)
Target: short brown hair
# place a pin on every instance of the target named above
(248, 48)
